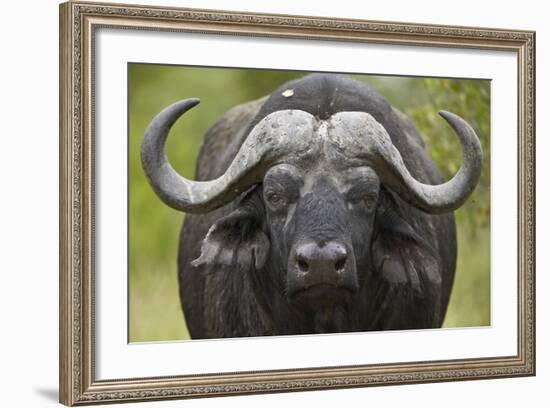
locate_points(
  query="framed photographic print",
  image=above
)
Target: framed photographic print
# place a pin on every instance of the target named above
(260, 203)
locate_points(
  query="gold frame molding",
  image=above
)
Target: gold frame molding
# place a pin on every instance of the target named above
(78, 22)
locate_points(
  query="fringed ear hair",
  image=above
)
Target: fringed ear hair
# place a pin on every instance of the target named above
(406, 272)
(236, 239)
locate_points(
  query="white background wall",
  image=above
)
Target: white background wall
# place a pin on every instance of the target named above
(29, 190)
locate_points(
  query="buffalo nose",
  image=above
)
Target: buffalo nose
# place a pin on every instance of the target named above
(321, 275)
(327, 262)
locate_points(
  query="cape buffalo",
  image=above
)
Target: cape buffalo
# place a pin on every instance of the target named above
(316, 209)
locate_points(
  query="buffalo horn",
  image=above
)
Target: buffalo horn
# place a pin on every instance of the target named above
(278, 135)
(372, 144)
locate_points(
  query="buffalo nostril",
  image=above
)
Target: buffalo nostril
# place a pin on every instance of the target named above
(302, 265)
(340, 264)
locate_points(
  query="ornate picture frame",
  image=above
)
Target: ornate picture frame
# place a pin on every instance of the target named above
(79, 24)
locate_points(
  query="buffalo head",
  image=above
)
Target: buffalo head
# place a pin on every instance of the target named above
(311, 189)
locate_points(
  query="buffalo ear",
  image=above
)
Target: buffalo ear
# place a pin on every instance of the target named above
(407, 274)
(237, 239)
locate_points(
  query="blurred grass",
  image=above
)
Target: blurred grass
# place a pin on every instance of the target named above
(471, 296)
(154, 308)
(155, 311)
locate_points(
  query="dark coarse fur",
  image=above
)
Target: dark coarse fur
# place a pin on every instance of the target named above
(411, 256)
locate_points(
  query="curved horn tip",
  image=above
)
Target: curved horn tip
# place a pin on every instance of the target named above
(186, 104)
(193, 101)
(455, 120)
(178, 108)
(448, 115)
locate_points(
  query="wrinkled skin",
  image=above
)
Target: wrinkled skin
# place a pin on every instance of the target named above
(321, 245)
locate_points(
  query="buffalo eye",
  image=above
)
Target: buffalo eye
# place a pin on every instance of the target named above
(275, 200)
(370, 201)
(363, 200)
(281, 187)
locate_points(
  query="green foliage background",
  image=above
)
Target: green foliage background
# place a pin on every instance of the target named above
(155, 313)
